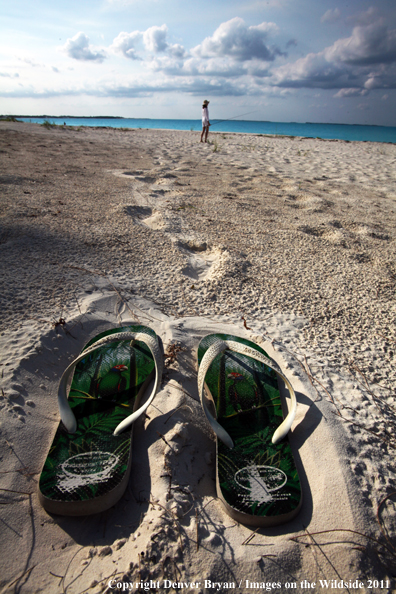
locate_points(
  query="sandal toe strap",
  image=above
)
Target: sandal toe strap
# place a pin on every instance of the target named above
(67, 415)
(219, 347)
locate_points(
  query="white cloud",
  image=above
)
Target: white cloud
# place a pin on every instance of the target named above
(371, 83)
(78, 48)
(236, 60)
(331, 16)
(177, 50)
(221, 67)
(311, 71)
(167, 65)
(364, 61)
(234, 50)
(369, 44)
(351, 92)
(124, 43)
(213, 67)
(155, 39)
(235, 39)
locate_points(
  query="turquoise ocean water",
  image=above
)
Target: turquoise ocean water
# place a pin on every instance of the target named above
(308, 130)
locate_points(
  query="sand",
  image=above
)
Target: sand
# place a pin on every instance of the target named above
(287, 241)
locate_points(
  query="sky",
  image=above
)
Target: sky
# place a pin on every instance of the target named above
(277, 60)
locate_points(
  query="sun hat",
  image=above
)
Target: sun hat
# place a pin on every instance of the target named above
(206, 102)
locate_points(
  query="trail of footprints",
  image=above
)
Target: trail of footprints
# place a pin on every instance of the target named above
(338, 232)
(343, 235)
(156, 189)
(202, 260)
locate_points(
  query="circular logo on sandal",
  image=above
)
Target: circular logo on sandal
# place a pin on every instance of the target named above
(260, 482)
(86, 469)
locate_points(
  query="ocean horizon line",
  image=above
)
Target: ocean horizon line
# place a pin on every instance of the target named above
(323, 131)
(107, 117)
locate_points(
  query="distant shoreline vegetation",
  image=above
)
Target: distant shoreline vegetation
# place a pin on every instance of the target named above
(70, 117)
(4, 118)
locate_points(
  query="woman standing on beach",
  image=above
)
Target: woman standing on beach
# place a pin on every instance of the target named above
(205, 120)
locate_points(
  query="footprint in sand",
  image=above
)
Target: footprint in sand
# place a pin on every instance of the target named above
(307, 202)
(337, 233)
(334, 234)
(144, 215)
(202, 261)
(154, 221)
(147, 179)
(137, 175)
(366, 232)
(138, 213)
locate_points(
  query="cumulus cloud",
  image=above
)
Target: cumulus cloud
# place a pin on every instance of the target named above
(221, 68)
(78, 48)
(154, 41)
(352, 92)
(218, 67)
(331, 16)
(370, 44)
(214, 67)
(311, 71)
(177, 50)
(234, 50)
(236, 40)
(363, 61)
(124, 43)
(238, 60)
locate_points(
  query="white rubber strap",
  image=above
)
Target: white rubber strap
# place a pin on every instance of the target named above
(67, 415)
(219, 347)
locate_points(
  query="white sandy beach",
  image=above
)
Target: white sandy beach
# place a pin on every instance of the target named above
(290, 242)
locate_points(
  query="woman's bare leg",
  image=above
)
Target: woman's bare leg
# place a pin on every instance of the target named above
(205, 130)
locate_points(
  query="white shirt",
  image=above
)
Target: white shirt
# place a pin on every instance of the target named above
(205, 116)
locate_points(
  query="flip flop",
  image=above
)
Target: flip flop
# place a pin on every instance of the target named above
(257, 479)
(89, 462)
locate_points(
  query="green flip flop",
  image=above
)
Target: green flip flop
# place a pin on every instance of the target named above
(89, 462)
(257, 479)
